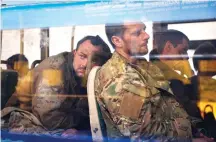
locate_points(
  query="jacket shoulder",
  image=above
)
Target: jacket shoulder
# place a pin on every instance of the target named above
(52, 62)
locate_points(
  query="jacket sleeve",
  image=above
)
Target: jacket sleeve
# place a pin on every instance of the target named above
(139, 112)
(56, 109)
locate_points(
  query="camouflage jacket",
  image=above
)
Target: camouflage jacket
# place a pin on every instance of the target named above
(137, 102)
(182, 89)
(56, 97)
(60, 101)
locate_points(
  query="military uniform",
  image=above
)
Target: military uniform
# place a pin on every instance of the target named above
(182, 89)
(59, 100)
(53, 93)
(137, 102)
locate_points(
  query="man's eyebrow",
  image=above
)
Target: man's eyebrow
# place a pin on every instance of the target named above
(81, 52)
(137, 31)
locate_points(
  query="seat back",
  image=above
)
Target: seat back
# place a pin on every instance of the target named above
(9, 79)
(33, 65)
(96, 119)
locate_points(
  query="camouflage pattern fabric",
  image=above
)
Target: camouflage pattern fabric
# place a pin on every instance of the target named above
(21, 121)
(59, 100)
(181, 87)
(54, 95)
(137, 102)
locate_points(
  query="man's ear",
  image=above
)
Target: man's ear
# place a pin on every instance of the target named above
(167, 47)
(74, 52)
(117, 41)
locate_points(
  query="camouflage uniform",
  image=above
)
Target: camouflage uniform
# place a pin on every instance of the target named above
(181, 87)
(54, 95)
(59, 100)
(137, 103)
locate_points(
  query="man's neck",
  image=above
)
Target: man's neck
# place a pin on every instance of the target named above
(127, 57)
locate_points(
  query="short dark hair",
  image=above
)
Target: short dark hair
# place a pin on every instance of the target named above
(153, 55)
(114, 30)
(15, 58)
(203, 52)
(96, 41)
(174, 36)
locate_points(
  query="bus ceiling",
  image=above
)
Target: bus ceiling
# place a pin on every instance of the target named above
(70, 13)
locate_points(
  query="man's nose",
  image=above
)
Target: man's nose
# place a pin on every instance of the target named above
(145, 36)
(84, 63)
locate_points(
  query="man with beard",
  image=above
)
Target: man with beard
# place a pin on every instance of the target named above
(54, 91)
(135, 100)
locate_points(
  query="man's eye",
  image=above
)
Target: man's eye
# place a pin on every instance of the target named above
(137, 33)
(82, 56)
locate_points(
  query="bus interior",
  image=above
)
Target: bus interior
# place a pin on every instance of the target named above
(39, 30)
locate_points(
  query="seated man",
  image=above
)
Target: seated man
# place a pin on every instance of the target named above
(204, 84)
(19, 63)
(55, 87)
(172, 47)
(204, 61)
(172, 59)
(135, 99)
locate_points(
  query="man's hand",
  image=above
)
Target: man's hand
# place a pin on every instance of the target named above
(206, 138)
(75, 134)
(70, 133)
(203, 138)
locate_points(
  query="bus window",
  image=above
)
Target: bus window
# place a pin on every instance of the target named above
(60, 39)
(8, 49)
(104, 70)
(32, 45)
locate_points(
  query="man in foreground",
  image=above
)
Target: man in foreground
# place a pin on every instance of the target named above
(135, 99)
